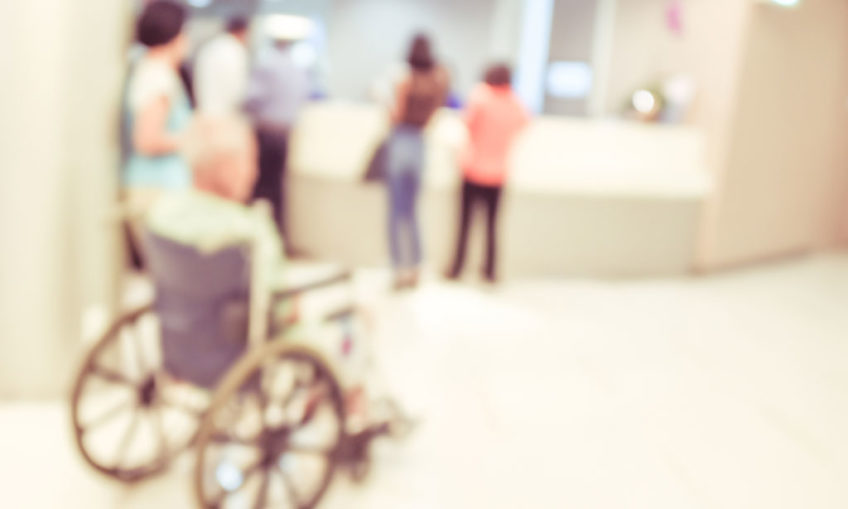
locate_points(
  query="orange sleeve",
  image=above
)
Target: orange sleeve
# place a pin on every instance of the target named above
(474, 109)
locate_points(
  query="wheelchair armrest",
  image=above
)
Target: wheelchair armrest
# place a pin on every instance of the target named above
(289, 293)
(340, 313)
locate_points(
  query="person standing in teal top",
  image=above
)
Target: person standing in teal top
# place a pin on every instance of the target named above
(158, 107)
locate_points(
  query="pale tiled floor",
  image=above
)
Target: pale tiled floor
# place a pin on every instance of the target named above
(726, 392)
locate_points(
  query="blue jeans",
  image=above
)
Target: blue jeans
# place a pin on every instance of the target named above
(405, 156)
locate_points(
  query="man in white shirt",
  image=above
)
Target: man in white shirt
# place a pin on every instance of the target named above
(221, 71)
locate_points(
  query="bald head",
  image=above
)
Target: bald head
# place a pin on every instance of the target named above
(222, 154)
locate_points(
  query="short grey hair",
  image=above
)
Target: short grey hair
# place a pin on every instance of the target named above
(211, 138)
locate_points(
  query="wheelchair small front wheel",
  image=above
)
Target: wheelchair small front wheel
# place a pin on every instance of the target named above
(273, 433)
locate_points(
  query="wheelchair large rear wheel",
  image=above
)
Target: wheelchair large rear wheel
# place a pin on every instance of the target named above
(125, 422)
(273, 432)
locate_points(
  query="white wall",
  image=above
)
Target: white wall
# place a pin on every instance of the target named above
(33, 313)
(367, 36)
(782, 188)
(572, 38)
(505, 35)
(645, 50)
(98, 59)
(54, 152)
(772, 92)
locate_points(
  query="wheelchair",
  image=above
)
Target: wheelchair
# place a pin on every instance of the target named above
(208, 367)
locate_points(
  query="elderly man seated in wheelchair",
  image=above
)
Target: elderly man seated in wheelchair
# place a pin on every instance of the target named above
(222, 360)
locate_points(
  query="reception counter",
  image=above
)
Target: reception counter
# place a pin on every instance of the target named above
(585, 198)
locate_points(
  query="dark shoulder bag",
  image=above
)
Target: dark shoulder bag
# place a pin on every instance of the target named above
(376, 171)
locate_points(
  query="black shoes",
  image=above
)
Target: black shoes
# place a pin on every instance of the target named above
(455, 275)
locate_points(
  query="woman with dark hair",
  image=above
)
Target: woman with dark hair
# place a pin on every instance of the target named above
(417, 98)
(158, 107)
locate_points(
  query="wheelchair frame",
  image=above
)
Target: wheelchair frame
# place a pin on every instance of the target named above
(272, 442)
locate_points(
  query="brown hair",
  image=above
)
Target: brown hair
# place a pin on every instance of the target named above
(160, 23)
(420, 56)
(499, 75)
(237, 25)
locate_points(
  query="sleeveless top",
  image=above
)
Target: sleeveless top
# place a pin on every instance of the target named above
(426, 94)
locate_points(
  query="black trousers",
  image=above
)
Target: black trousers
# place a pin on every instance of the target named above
(273, 148)
(489, 197)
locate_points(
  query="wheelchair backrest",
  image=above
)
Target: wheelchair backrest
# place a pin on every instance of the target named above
(202, 300)
(186, 271)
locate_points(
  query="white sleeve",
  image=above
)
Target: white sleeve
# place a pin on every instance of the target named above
(205, 77)
(221, 77)
(237, 73)
(150, 82)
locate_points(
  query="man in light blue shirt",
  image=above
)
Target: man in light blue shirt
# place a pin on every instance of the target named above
(277, 91)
